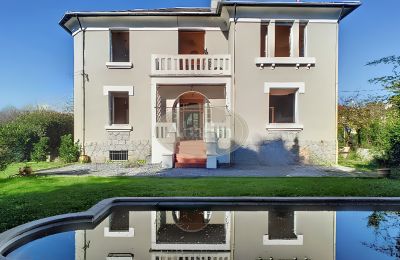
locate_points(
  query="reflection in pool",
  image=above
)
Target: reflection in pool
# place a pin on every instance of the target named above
(194, 234)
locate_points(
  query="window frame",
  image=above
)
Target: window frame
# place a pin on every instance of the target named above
(108, 92)
(305, 36)
(111, 57)
(299, 241)
(264, 39)
(295, 93)
(291, 37)
(112, 110)
(300, 89)
(111, 64)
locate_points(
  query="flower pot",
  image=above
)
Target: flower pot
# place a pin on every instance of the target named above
(384, 172)
(345, 151)
(26, 170)
(84, 159)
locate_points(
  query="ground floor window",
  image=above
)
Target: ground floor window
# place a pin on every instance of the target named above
(119, 108)
(119, 220)
(282, 106)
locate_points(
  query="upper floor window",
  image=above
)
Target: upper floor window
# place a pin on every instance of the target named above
(191, 42)
(119, 108)
(119, 46)
(282, 105)
(283, 39)
(302, 39)
(264, 40)
(289, 39)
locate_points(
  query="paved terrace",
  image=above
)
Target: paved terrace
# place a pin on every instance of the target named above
(117, 169)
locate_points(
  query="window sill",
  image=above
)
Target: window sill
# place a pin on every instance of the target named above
(285, 61)
(119, 65)
(283, 242)
(284, 127)
(119, 128)
(109, 233)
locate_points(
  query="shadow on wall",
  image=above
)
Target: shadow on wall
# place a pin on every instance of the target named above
(270, 152)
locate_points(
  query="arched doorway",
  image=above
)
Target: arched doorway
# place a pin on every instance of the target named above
(190, 114)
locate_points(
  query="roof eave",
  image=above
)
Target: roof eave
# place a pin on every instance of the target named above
(347, 8)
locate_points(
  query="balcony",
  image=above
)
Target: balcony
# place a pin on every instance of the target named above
(190, 65)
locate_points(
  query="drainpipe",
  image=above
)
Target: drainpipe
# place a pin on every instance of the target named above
(84, 76)
(233, 105)
(337, 81)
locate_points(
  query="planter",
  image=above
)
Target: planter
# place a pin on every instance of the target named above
(384, 172)
(345, 151)
(26, 170)
(84, 159)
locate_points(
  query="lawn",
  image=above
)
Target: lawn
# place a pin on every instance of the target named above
(24, 199)
(12, 169)
(355, 162)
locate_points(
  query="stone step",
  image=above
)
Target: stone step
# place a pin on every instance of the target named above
(191, 154)
(190, 165)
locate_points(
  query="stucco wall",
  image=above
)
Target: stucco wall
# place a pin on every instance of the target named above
(315, 143)
(318, 230)
(142, 45)
(316, 106)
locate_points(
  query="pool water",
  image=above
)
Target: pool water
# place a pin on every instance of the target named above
(197, 234)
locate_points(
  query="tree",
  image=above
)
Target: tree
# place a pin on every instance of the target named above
(361, 115)
(390, 140)
(390, 82)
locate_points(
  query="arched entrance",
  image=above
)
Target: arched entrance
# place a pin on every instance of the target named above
(190, 109)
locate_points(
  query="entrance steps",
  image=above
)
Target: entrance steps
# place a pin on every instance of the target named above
(191, 154)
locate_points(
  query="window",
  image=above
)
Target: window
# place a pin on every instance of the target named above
(282, 39)
(282, 105)
(119, 220)
(119, 46)
(119, 155)
(302, 39)
(281, 225)
(119, 108)
(264, 40)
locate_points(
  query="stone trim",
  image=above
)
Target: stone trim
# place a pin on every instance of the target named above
(108, 89)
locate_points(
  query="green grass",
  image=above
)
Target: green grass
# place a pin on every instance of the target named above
(23, 199)
(12, 169)
(355, 162)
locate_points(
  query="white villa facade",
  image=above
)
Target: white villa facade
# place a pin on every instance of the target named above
(240, 82)
(215, 235)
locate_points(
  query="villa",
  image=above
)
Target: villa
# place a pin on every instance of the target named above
(243, 82)
(210, 235)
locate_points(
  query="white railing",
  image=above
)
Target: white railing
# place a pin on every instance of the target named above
(190, 64)
(221, 130)
(190, 256)
(165, 130)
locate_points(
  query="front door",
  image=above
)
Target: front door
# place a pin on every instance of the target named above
(192, 115)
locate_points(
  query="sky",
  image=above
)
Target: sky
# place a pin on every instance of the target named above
(37, 54)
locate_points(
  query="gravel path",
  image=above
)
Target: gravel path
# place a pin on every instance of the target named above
(115, 169)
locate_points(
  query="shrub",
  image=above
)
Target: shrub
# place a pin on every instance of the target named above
(389, 140)
(40, 150)
(5, 157)
(20, 134)
(69, 151)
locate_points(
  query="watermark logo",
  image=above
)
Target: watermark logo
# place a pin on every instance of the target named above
(197, 130)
